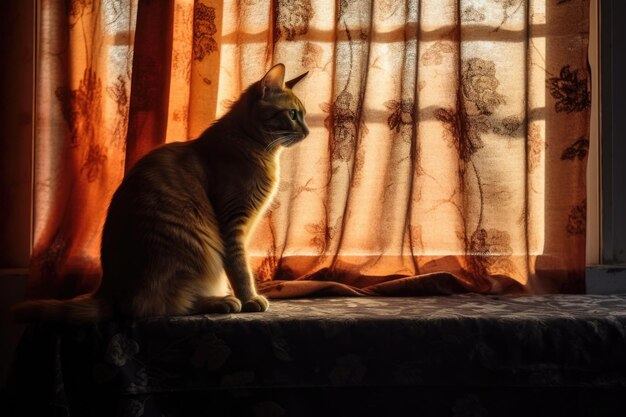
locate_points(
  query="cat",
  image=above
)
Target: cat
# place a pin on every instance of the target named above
(176, 228)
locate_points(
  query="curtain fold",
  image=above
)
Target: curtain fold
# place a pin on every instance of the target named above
(151, 68)
(447, 149)
(82, 92)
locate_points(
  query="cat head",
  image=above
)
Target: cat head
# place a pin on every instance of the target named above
(277, 111)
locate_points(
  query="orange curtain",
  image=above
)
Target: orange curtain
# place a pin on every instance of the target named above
(447, 149)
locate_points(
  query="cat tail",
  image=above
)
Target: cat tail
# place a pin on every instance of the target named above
(83, 309)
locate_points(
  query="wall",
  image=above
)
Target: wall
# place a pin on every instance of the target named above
(16, 105)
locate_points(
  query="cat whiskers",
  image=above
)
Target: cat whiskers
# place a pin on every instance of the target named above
(282, 140)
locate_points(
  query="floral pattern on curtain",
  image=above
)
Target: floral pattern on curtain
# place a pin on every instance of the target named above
(447, 149)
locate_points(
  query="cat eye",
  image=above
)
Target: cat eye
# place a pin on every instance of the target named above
(292, 114)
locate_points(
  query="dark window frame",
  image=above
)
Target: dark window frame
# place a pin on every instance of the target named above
(613, 132)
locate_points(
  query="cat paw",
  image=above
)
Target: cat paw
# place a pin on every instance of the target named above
(255, 304)
(230, 304)
(219, 305)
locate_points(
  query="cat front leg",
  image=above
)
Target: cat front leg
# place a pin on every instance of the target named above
(240, 276)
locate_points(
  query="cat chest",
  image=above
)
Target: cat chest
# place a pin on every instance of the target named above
(262, 191)
(247, 200)
(241, 198)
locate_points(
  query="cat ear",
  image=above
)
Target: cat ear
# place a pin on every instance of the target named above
(273, 80)
(289, 84)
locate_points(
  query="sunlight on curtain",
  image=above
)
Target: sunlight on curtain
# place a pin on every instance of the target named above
(447, 148)
(446, 136)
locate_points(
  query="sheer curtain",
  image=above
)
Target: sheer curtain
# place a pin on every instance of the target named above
(447, 149)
